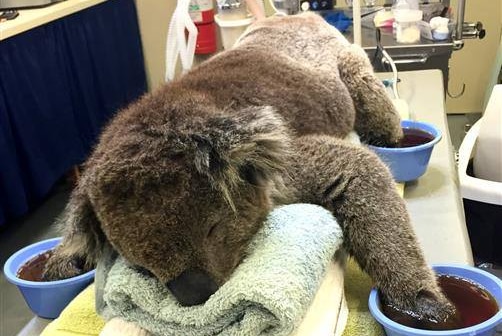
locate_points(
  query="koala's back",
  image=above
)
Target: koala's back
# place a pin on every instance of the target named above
(306, 38)
(277, 66)
(311, 101)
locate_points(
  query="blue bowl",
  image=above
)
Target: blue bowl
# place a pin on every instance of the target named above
(409, 163)
(45, 299)
(487, 328)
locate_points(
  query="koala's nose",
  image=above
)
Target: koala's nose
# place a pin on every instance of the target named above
(192, 287)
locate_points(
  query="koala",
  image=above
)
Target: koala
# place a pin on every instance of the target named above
(184, 177)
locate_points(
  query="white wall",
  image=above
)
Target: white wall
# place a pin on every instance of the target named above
(154, 17)
(474, 64)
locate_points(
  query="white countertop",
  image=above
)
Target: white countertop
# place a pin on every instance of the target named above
(31, 18)
(433, 200)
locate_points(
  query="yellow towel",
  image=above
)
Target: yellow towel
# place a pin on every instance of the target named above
(357, 290)
(79, 318)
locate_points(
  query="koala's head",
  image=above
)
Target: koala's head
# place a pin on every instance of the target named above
(183, 197)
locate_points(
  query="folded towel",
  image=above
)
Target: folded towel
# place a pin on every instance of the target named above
(78, 318)
(268, 294)
(326, 316)
(321, 319)
(81, 319)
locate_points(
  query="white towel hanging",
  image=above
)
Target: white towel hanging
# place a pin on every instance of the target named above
(176, 43)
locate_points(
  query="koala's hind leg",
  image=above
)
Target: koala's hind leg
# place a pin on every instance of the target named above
(354, 184)
(377, 121)
(82, 239)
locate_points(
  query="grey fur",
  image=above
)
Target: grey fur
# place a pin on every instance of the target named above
(183, 178)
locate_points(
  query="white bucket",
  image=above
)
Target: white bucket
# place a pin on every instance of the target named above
(231, 30)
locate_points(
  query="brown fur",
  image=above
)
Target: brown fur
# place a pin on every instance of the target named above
(183, 178)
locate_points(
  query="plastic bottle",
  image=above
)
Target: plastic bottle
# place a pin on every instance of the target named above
(407, 19)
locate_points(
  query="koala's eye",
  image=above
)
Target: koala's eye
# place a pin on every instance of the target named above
(211, 230)
(250, 174)
(176, 156)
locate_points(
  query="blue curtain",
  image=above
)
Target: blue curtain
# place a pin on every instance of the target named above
(59, 85)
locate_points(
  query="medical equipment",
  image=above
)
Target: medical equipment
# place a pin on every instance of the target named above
(232, 9)
(315, 4)
(465, 29)
(202, 14)
(425, 54)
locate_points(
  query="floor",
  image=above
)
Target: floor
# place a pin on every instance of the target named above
(39, 225)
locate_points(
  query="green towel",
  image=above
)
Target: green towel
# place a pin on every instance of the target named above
(268, 294)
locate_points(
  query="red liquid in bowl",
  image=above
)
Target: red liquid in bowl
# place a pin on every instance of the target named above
(474, 305)
(414, 137)
(33, 269)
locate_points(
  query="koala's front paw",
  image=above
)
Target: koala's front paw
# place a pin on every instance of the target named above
(437, 311)
(430, 311)
(386, 136)
(60, 266)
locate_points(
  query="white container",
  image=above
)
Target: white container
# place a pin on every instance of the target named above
(231, 30)
(488, 157)
(439, 27)
(407, 25)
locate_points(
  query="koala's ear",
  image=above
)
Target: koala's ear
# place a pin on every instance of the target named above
(250, 145)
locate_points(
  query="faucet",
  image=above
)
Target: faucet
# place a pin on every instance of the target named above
(466, 30)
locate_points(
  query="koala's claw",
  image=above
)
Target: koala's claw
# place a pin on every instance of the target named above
(62, 267)
(437, 312)
(430, 312)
